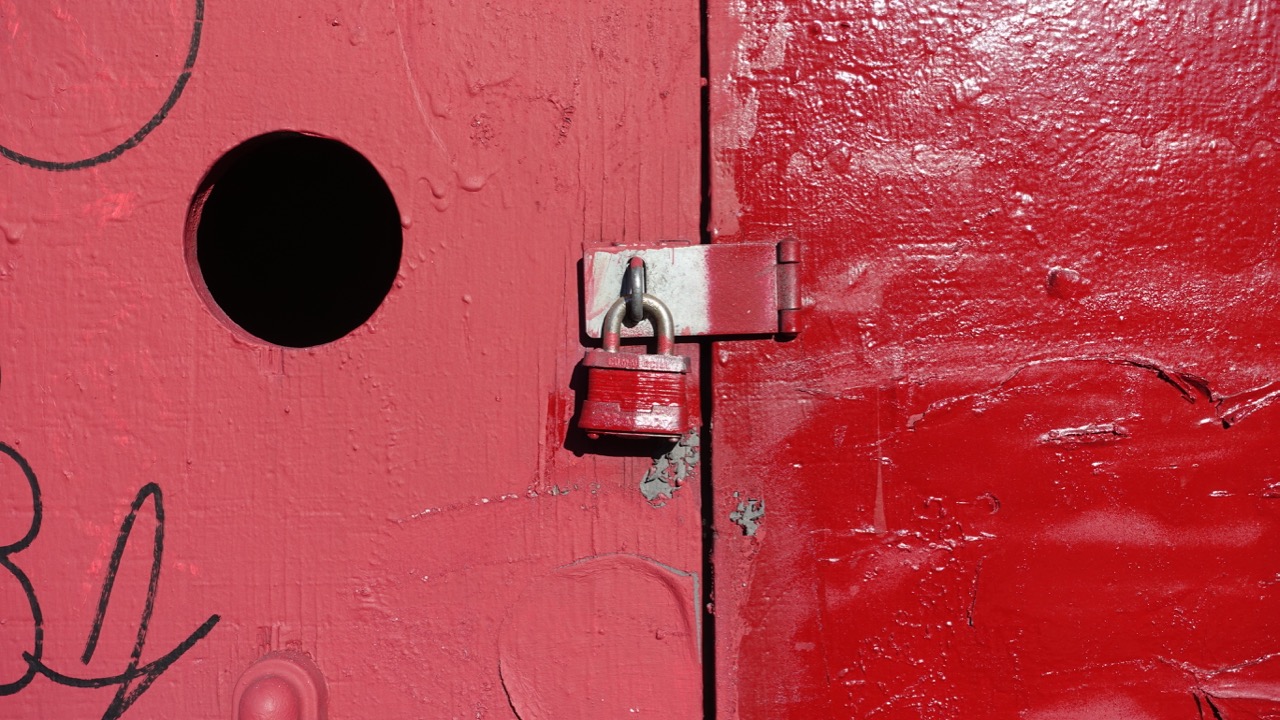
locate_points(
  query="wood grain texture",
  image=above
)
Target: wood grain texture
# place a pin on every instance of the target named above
(379, 503)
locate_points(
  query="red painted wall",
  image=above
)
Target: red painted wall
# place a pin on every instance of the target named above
(1021, 462)
(398, 505)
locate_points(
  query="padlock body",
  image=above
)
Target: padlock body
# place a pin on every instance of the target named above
(635, 395)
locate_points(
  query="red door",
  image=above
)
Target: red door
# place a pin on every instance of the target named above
(291, 331)
(290, 327)
(1021, 462)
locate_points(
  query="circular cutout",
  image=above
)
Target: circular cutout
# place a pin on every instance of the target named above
(294, 239)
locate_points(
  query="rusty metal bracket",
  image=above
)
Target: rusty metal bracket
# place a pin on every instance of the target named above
(718, 289)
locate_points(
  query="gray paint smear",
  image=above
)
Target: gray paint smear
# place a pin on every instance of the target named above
(670, 471)
(748, 515)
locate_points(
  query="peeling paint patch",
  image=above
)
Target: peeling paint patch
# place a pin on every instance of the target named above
(478, 502)
(748, 515)
(1085, 434)
(1234, 408)
(669, 471)
(1191, 387)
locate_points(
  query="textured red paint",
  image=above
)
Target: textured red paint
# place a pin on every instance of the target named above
(604, 609)
(380, 503)
(93, 74)
(1021, 461)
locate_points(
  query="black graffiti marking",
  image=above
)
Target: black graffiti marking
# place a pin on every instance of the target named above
(136, 677)
(7, 563)
(142, 132)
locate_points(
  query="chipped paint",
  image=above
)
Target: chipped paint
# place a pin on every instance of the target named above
(748, 515)
(671, 469)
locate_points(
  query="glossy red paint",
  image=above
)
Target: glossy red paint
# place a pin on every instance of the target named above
(387, 504)
(636, 395)
(1021, 461)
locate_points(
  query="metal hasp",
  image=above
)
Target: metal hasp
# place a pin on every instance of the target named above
(634, 289)
(717, 289)
(636, 394)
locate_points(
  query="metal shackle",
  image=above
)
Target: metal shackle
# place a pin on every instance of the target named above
(663, 325)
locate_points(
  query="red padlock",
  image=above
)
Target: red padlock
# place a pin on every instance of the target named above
(633, 394)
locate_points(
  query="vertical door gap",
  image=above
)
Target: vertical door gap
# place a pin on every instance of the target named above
(705, 373)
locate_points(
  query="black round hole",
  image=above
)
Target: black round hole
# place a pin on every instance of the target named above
(295, 238)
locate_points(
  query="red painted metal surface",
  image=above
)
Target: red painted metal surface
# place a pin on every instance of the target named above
(634, 394)
(1021, 462)
(284, 685)
(406, 506)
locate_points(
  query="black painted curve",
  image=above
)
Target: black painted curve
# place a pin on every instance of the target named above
(135, 139)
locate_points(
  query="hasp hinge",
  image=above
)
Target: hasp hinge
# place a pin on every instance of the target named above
(720, 289)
